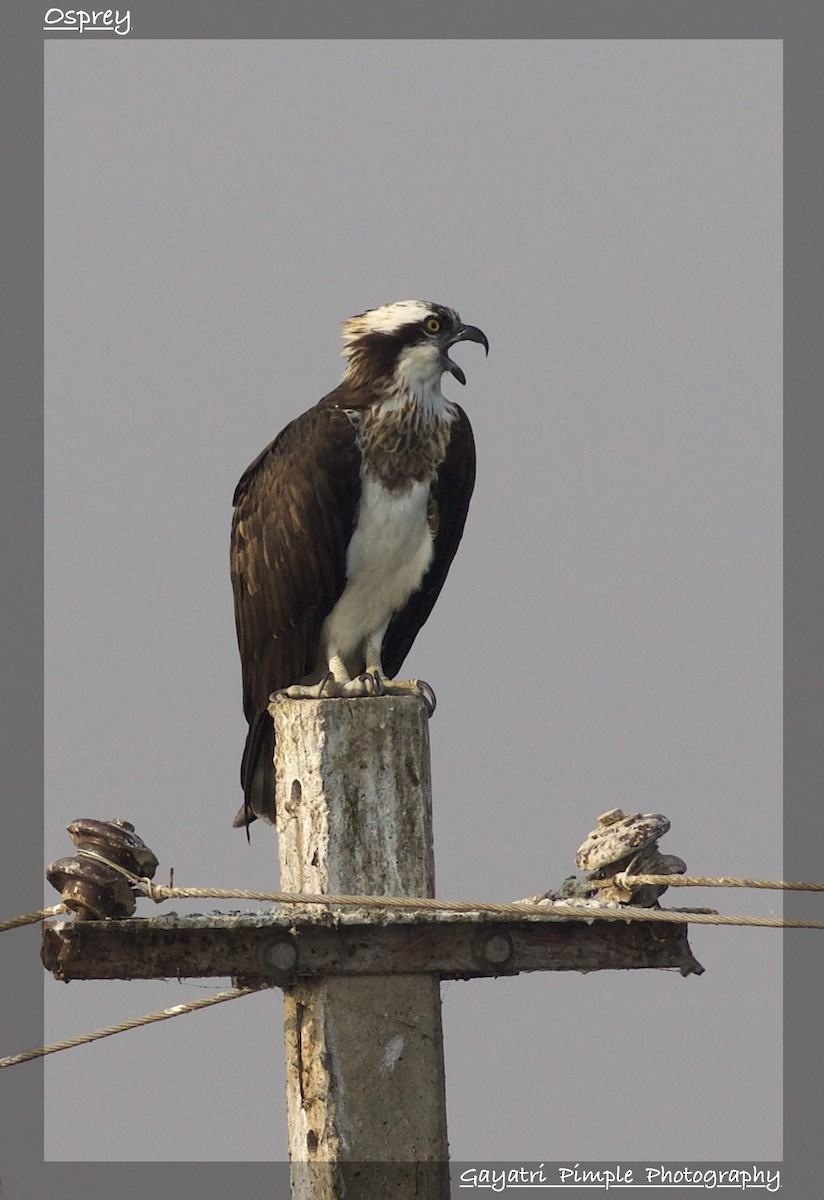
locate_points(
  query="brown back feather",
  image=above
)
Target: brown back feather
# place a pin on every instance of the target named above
(295, 508)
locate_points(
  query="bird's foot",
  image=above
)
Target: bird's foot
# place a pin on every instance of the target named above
(370, 683)
(328, 687)
(406, 687)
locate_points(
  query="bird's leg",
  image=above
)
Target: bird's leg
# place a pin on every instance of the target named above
(338, 683)
(335, 683)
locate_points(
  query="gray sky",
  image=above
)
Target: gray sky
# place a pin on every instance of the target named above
(609, 213)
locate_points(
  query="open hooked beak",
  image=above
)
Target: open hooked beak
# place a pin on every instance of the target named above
(463, 333)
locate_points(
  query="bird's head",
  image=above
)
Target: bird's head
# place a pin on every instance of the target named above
(403, 347)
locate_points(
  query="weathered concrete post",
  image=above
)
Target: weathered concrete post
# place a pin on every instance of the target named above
(364, 1056)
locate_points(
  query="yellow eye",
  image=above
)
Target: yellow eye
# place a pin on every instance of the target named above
(433, 325)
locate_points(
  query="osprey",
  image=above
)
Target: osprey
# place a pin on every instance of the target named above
(346, 524)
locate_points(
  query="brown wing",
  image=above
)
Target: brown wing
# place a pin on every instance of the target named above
(451, 493)
(295, 508)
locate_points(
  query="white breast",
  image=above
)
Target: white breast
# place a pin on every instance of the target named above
(388, 556)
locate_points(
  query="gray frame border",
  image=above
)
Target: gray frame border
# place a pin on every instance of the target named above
(800, 24)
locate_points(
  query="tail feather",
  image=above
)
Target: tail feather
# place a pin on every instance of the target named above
(257, 773)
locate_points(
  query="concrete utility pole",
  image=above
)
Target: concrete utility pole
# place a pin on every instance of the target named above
(364, 1056)
(364, 1045)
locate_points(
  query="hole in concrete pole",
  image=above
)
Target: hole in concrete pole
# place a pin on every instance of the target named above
(312, 1141)
(295, 795)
